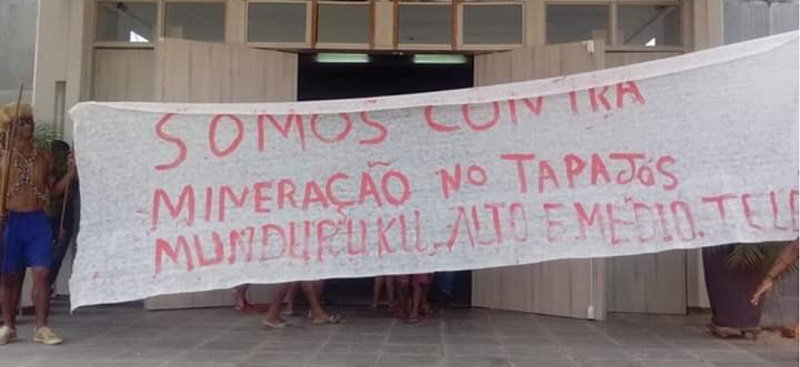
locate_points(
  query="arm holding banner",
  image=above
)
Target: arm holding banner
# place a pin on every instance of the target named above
(786, 259)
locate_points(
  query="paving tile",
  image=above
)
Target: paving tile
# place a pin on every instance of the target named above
(344, 360)
(230, 345)
(285, 347)
(413, 349)
(198, 364)
(520, 331)
(64, 352)
(139, 354)
(474, 350)
(537, 362)
(478, 362)
(415, 339)
(595, 352)
(269, 359)
(350, 348)
(652, 354)
(674, 363)
(407, 361)
(540, 352)
(92, 363)
(723, 356)
(592, 362)
(470, 340)
(363, 329)
(185, 344)
(213, 357)
(128, 336)
(359, 338)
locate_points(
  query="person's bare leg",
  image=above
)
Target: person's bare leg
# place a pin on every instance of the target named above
(12, 283)
(376, 290)
(425, 306)
(401, 303)
(274, 310)
(390, 290)
(319, 285)
(41, 295)
(318, 314)
(413, 315)
(240, 296)
(291, 298)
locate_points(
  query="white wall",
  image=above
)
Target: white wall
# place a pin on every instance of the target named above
(61, 50)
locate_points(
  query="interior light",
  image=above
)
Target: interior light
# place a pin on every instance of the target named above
(342, 58)
(439, 59)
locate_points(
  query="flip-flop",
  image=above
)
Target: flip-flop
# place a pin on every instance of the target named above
(281, 325)
(332, 319)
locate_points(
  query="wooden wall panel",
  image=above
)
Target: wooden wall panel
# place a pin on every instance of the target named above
(565, 287)
(191, 71)
(123, 75)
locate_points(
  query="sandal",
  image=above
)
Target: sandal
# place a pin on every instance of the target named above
(411, 320)
(332, 319)
(281, 325)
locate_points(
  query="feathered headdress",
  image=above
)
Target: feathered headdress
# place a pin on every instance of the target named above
(9, 111)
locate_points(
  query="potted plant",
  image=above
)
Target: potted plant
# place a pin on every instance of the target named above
(733, 272)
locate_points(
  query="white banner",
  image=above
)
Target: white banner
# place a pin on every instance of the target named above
(692, 151)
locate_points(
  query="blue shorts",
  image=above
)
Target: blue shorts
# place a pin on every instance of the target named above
(27, 241)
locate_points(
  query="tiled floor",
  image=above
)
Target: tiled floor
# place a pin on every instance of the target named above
(129, 336)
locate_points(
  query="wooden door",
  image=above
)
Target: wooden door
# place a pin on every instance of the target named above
(569, 288)
(191, 71)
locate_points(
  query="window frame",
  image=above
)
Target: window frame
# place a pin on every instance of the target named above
(310, 26)
(125, 44)
(454, 30)
(162, 16)
(460, 45)
(613, 42)
(345, 45)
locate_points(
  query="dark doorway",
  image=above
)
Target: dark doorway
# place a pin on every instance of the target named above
(380, 75)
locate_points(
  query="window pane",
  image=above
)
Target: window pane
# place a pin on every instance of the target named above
(649, 25)
(196, 21)
(125, 21)
(572, 23)
(425, 24)
(343, 23)
(276, 22)
(493, 24)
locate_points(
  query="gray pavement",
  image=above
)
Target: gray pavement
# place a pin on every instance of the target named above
(126, 335)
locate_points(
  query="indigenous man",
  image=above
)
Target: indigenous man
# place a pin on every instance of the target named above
(28, 237)
(66, 221)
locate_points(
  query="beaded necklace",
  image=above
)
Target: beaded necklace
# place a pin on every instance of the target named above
(24, 166)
